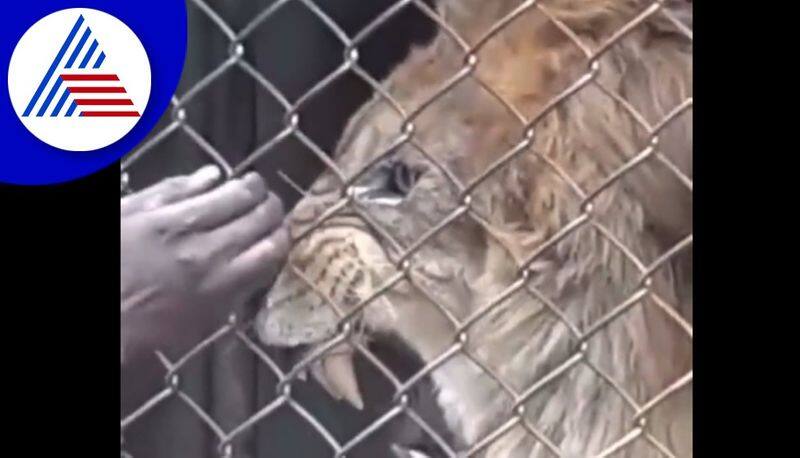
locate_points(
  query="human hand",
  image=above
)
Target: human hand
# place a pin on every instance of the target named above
(189, 253)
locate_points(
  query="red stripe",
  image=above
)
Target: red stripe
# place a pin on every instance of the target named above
(104, 101)
(96, 90)
(110, 114)
(90, 77)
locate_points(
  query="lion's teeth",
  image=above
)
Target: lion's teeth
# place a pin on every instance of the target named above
(318, 373)
(335, 372)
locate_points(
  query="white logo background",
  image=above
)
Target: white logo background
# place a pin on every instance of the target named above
(124, 56)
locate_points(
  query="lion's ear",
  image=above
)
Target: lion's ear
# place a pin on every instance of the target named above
(528, 202)
(512, 232)
(518, 244)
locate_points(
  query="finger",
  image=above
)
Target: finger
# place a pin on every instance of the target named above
(240, 234)
(219, 206)
(170, 190)
(257, 266)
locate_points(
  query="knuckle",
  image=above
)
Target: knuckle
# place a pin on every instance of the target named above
(191, 259)
(190, 221)
(162, 232)
(156, 228)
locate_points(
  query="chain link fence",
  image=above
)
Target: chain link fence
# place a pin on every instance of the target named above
(228, 438)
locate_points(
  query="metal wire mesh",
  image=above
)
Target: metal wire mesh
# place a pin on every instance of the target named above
(236, 329)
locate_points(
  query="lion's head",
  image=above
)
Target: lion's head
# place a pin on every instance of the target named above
(451, 220)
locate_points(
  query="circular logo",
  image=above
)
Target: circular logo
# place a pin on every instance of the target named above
(79, 79)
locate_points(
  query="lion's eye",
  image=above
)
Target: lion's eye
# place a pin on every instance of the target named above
(402, 179)
(389, 184)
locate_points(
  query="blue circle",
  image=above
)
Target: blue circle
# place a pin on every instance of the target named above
(161, 27)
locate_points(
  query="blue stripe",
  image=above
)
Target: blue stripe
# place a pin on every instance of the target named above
(100, 60)
(72, 108)
(56, 87)
(53, 66)
(60, 103)
(79, 47)
(88, 54)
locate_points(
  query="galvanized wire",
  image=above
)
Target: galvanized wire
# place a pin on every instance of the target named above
(233, 329)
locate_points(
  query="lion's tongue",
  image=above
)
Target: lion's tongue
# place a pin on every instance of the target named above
(335, 372)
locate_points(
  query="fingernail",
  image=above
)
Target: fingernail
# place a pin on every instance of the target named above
(252, 177)
(208, 173)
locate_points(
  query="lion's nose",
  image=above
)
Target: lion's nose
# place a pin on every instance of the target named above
(268, 327)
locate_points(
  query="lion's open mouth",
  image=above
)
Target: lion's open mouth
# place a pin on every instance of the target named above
(333, 369)
(332, 270)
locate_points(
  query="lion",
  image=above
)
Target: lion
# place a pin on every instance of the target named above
(521, 218)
